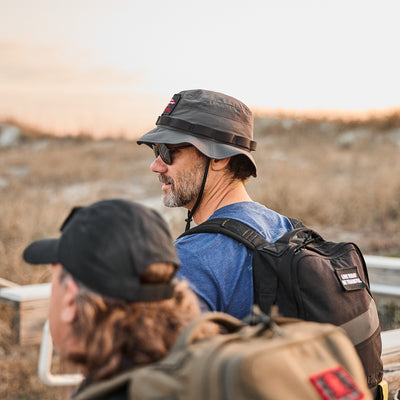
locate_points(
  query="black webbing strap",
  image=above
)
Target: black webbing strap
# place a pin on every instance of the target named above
(209, 133)
(235, 229)
(191, 212)
(296, 223)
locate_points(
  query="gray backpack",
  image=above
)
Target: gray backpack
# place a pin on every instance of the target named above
(284, 359)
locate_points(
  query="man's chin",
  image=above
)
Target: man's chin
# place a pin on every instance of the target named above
(168, 202)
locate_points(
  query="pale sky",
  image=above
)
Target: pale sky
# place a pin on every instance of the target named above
(110, 67)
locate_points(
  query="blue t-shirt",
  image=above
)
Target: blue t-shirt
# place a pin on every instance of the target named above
(219, 268)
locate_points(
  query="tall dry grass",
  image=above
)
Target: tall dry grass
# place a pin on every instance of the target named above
(334, 176)
(46, 178)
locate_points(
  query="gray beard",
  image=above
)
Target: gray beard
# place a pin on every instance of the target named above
(185, 188)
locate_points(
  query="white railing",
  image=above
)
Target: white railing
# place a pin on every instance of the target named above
(390, 342)
(45, 359)
(384, 275)
(384, 262)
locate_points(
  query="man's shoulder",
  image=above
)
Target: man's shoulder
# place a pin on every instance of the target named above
(246, 210)
(269, 223)
(204, 242)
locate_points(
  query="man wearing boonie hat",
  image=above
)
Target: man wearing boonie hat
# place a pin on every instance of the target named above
(203, 143)
(113, 271)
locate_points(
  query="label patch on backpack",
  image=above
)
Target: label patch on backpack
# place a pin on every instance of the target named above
(336, 384)
(349, 278)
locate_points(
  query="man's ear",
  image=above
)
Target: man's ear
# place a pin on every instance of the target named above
(218, 165)
(68, 305)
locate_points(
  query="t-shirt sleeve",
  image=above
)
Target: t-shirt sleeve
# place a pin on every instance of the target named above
(197, 267)
(218, 269)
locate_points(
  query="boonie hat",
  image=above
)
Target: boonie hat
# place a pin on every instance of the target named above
(107, 245)
(218, 125)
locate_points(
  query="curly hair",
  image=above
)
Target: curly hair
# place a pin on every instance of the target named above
(118, 334)
(240, 167)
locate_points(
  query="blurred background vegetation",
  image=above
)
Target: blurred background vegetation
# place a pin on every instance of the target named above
(340, 177)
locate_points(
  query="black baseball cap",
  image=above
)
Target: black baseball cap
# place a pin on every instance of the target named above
(107, 245)
(218, 125)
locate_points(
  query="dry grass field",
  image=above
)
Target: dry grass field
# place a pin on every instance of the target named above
(340, 177)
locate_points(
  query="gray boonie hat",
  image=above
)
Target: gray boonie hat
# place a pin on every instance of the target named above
(218, 125)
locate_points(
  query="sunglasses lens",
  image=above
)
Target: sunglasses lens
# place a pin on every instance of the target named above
(163, 151)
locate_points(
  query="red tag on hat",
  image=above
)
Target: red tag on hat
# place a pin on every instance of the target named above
(336, 384)
(172, 104)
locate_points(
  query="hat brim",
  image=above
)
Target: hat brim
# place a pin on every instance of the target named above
(207, 146)
(44, 251)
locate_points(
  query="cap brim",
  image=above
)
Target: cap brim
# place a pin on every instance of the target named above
(208, 147)
(44, 251)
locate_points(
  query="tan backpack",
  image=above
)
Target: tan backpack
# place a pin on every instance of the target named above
(284, 359)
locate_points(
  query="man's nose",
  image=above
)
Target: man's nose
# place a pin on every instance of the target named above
(159, 166)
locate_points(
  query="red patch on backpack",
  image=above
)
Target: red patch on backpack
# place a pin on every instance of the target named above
(336, 384)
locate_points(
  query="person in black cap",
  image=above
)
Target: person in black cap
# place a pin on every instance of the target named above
(203, 143)
(115, 303)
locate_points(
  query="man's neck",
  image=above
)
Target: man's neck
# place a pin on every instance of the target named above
(218, 195)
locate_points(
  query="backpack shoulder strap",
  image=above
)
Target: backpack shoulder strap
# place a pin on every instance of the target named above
(296, 223)
(104, 387)
(233, 228)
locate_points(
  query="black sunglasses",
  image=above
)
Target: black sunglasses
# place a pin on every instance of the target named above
(166, 152)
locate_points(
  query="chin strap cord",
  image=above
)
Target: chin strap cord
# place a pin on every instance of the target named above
(191, 212)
